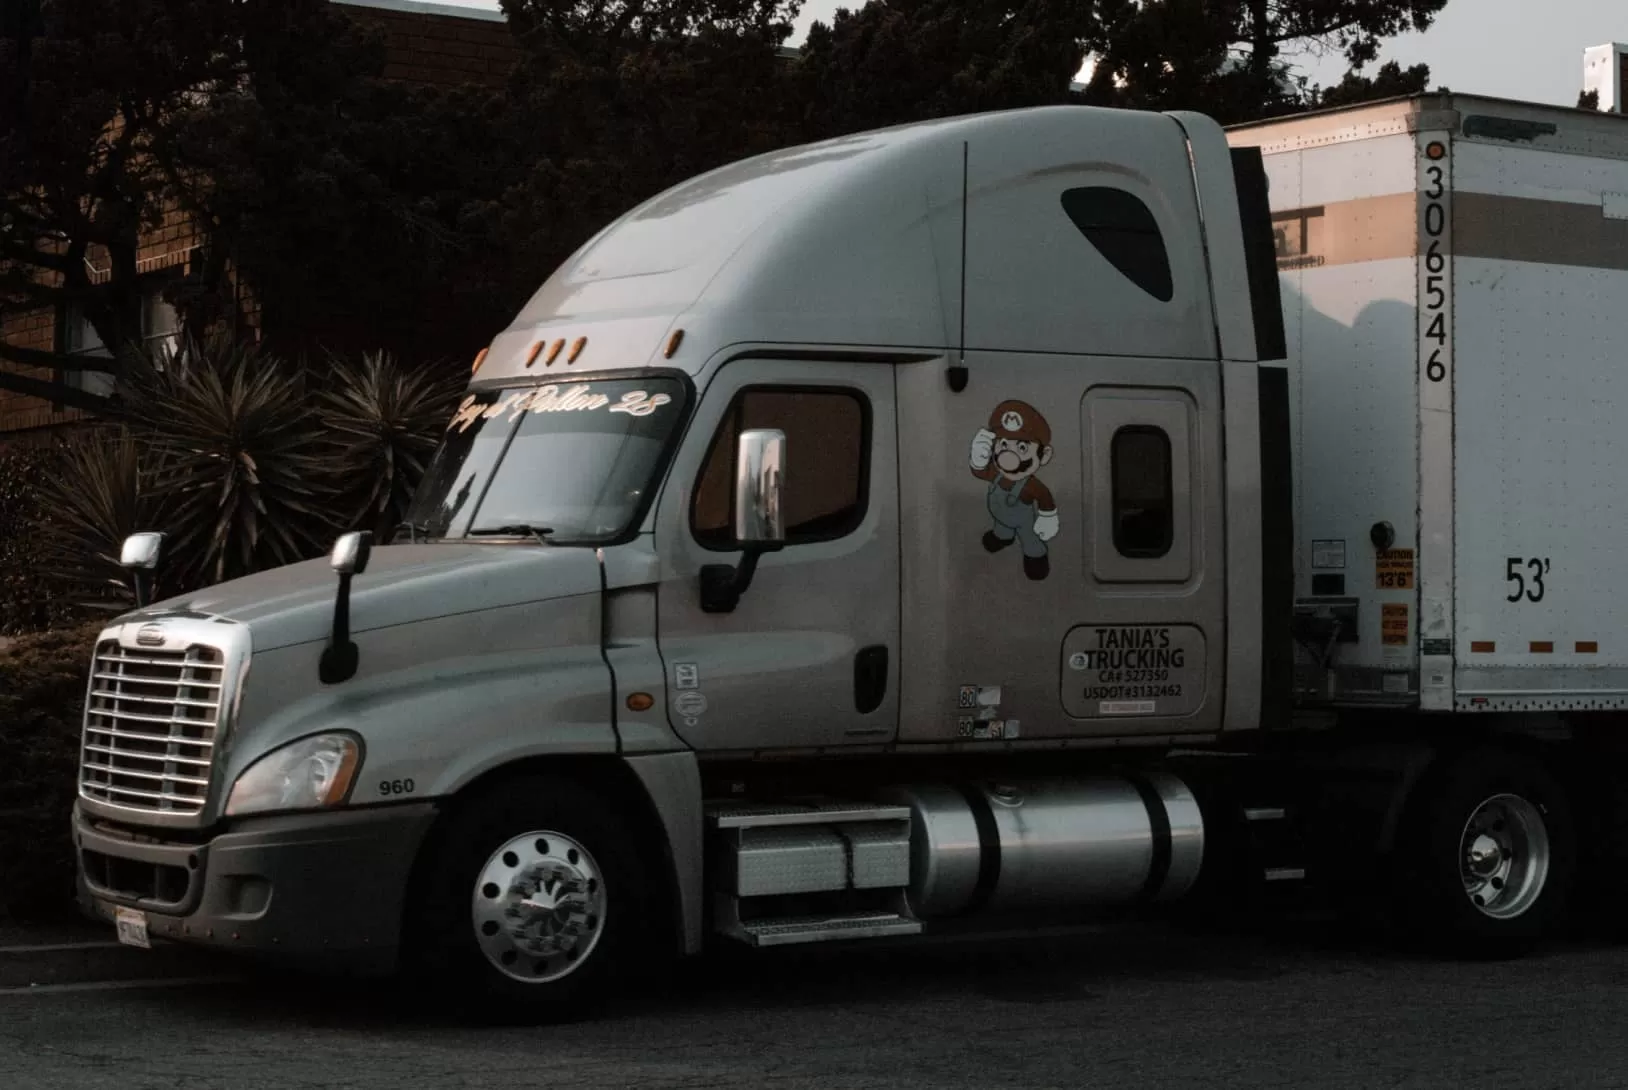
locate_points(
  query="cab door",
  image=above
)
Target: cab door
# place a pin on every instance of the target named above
(1147, 653)
(808, 656)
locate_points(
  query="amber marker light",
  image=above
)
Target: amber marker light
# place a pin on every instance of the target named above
(576, 349)
(1435, 150)
(554, 352)
(640, 702)
(674, 341)
(531, 356)
(480, 358)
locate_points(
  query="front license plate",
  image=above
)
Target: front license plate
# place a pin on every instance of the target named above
(132, 925)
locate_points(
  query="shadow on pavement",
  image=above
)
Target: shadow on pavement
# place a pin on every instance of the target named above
(1071, 968)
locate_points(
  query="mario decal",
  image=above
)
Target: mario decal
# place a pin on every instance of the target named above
(1007, 454)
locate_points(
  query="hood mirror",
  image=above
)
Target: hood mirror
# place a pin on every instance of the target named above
(760, 524)
(349, 559)
(139, 556)
(350, 553)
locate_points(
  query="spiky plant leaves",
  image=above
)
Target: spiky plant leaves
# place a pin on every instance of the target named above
(99, 493)
(240, 459)
(384, 420)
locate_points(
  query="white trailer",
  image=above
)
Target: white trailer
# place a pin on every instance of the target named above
(1454, 274)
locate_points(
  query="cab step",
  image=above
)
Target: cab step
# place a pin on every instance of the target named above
(822, 847)
(803, 929)
(1277, 842)
(819, 813)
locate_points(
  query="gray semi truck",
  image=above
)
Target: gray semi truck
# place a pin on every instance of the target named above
(934, 527)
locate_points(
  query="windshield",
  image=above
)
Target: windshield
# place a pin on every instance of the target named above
(570, 462)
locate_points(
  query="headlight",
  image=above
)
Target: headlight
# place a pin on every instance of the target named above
(310, 774)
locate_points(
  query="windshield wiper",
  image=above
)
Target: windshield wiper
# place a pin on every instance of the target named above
(540, 533)
(413, 529)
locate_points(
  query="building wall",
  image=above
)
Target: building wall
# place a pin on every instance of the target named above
(442, 50)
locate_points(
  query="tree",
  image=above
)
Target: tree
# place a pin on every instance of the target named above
(341, 198)
(348, 201)
(88, 84)
(1226, 56)
(909, 60)
(615, 102)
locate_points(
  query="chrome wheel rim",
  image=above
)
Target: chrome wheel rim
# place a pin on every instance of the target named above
(1504, 856)
(539, 907)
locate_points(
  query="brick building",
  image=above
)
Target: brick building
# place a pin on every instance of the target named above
(425, 42)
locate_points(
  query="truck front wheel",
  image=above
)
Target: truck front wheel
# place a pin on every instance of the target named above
(1487, 862)
(530, 904)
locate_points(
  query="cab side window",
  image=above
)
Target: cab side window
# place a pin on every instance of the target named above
(827, 464)
(1144, 506)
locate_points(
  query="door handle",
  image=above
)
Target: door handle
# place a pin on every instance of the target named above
(870, 678)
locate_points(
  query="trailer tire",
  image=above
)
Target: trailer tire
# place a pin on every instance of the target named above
(1487, 857)
(532, 904)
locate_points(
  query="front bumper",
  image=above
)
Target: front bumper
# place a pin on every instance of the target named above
(324, 889)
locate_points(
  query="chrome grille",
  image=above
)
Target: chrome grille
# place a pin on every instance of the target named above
(150, 723)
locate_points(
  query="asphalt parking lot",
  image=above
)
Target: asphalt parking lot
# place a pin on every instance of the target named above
(1299, 1004)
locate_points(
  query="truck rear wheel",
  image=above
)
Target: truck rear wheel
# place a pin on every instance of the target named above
(1487, 861)
(531, 904)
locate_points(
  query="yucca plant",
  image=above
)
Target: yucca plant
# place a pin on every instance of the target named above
(99, 491)
(383, 420)
(238, 456)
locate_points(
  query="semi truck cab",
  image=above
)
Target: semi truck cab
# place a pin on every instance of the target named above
(838, 544)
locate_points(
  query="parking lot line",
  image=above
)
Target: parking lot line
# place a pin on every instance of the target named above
(118, 985)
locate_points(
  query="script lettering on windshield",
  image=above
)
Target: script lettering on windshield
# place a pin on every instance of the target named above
(555, 399)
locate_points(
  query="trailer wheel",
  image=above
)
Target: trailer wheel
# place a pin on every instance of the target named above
(531, 905)
(1487, 863)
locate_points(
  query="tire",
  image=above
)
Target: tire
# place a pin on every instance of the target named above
(1516, 890)
(532, 904)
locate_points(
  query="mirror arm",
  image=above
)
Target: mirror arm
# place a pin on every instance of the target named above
(139, 579)
(340, 657)
(723, 584)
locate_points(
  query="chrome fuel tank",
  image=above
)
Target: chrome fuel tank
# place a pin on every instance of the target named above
(1051, 843)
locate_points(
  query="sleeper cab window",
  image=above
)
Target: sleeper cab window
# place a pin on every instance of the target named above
(1125, 233)
(1144, 508)
(827, 468)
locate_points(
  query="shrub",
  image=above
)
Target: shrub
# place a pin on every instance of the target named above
(42, 696)
(384, 421)
(99, 493)
(235, 460)
(26, 604)
(244, 460)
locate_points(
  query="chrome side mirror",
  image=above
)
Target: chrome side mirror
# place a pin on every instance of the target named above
(760, 470)
(350, 553)
(140, 551)
(760, 523)
(139, 556)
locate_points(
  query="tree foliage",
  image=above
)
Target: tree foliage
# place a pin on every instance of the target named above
(908, 60)
(366, 214)
(1226, 57)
